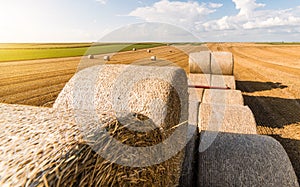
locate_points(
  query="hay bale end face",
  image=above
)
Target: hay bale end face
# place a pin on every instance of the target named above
(153, 58)
(91, 56)
(226, 118)
(244, 160)
(200, 62)
(106, 58)
(227, 97)
(222, 63)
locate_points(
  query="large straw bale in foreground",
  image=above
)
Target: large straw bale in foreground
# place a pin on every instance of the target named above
(226, 118)
(43, 147)
(200, 62)
(227, 97)
(223, 81)
(222, 63)
(243, 160)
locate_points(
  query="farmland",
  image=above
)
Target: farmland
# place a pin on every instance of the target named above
(38, 82)
(267, 74)
(16, 52)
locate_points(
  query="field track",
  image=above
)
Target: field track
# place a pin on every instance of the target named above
(269, 76)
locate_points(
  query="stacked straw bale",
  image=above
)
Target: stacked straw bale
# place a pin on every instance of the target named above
(227, 97)
(199, 79)
(216, 63)
(226, 118)
(221, 63)
(196, 94)
(223, 81)
(200, 62)
(243, 160)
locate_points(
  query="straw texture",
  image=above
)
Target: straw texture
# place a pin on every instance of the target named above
(195, 94)
(200, 62)
(244, 160)
(226, 118)
(223, 81)
(221, 63)
(159, 93)
(199, 79)
(42, 147)
(227, 97)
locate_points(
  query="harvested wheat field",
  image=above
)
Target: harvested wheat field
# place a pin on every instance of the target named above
(269, 77)
(38, 82)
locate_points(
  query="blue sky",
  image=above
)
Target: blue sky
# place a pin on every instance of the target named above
(90, 20)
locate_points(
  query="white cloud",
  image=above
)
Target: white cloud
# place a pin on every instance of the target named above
(247, 7)
(102, 1)
(253, 22)
(185, 14)
(215, 5)
(250, 17)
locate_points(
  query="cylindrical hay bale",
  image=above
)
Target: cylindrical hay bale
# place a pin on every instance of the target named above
(243, 160)
(91, 56)
(153, 58)
(222, 63)
(223, 81)
(199, 80)
(200, 62)
(106, 58)
(227, 97)
(157, 93)
(196, 94)
(149, 51)
(226, 118)
(133, 49)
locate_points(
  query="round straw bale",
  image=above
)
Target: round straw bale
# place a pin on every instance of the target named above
(149, 51)
(133, 49)
(243, 160)
(153, 58)
(227, 97)
(199, 79)
(91, 56)
(196, 94)
(226, 118)
(200, 62)
(52, 150)
(106, 58)
(223, 81)
(221, 63)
